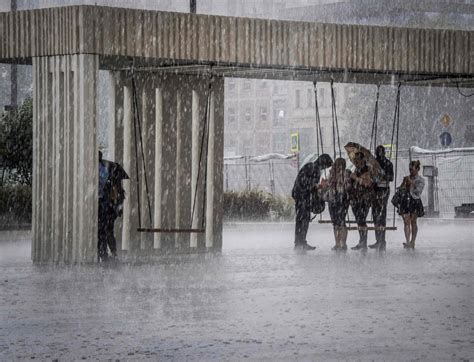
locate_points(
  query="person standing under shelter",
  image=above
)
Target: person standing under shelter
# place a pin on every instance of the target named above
(360, 197)
(103, 209)
(380, 197)
(411, 206)
(307, 179)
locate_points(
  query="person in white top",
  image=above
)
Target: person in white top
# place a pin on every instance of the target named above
(411, 207)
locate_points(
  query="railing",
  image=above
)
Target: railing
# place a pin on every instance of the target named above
(453, 186)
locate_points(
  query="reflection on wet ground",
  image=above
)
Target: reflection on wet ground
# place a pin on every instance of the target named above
(256, 299)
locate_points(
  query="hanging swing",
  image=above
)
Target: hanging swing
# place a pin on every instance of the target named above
(373, 141)
(138, 139)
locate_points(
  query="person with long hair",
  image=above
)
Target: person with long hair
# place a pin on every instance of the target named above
(411, 206)
(338, 186)
(361, 194)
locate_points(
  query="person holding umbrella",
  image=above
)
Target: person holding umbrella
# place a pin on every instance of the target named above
(111, 197)
(366, 169)
(306, 181)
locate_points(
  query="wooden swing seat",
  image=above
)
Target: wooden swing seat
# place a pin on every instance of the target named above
(165, 230)
(368, 228)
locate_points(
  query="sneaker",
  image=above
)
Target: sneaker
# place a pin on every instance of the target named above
(335, 247)
(359, 247)
(374, 246)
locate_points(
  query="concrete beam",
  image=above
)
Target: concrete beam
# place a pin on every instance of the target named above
(153, 37)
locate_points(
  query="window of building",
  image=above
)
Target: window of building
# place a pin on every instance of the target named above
(309, 98)
(469, 136)
(297, 98)
(279, 115)
(263, 114)
(279, 143)
(321, 97)
(231, 114)
(247, 115)
(231, 85)
(247, 85)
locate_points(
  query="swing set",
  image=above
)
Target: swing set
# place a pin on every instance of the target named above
(373, 142)
(139, 141)
(204, 145)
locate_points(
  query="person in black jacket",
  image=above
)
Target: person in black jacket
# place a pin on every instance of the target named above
(111, 198)
(307, 179)
(380, 199)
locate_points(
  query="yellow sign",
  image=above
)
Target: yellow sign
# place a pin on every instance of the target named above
(295, 142)
(390, 150)
(445, 120)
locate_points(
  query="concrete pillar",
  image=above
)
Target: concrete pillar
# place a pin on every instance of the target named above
(195, 196)
(127, 165)
(65, 159)
(158, 161)
(115, 132)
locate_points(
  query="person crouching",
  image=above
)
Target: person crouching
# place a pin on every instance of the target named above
(307, 179)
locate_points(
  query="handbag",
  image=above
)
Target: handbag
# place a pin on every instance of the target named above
(317, 202)
(398, 197)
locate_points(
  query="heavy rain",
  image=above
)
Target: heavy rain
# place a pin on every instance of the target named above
(236, 179)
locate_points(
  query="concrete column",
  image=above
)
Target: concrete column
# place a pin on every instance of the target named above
(179, 167)
(195, 197)
(210, 174)
(158, 161)
(146, 115)
(65, 159)
(127, 164)
(115, 134)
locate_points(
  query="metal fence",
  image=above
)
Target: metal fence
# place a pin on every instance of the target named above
(453, 186)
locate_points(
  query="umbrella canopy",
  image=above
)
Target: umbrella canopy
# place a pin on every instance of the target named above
(312, 157)
(116, 172)
(352, 148)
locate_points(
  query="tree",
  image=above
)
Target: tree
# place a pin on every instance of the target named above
(16, 144)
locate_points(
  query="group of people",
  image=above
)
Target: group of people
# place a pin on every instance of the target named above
(366, 187)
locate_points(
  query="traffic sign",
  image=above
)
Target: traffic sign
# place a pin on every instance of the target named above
(445, 120)
(295, 142)
(445, 139)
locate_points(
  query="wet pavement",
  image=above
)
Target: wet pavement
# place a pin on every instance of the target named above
(258, 299)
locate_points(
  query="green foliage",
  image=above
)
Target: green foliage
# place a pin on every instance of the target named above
(15, 204)
(256, 205)
(16, 144)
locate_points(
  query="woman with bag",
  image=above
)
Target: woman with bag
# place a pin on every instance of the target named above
(410, 205)
(337, 194)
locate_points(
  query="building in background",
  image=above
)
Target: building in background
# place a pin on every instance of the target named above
(261, 115)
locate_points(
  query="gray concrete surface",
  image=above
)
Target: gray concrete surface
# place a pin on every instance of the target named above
(258, 299)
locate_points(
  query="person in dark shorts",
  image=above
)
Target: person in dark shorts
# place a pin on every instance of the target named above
(338, 186)
(360, 197)
(380, 199)
(307, 179)
(411, 206)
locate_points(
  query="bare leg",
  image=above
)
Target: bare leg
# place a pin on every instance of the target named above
(414, 229)
(336, 236)
(407, 227)
(343, 234)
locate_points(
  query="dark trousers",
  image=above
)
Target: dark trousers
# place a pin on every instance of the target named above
(106, 231)
(379, 212)
(103, 231)
(360, 208)
(303, 217)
